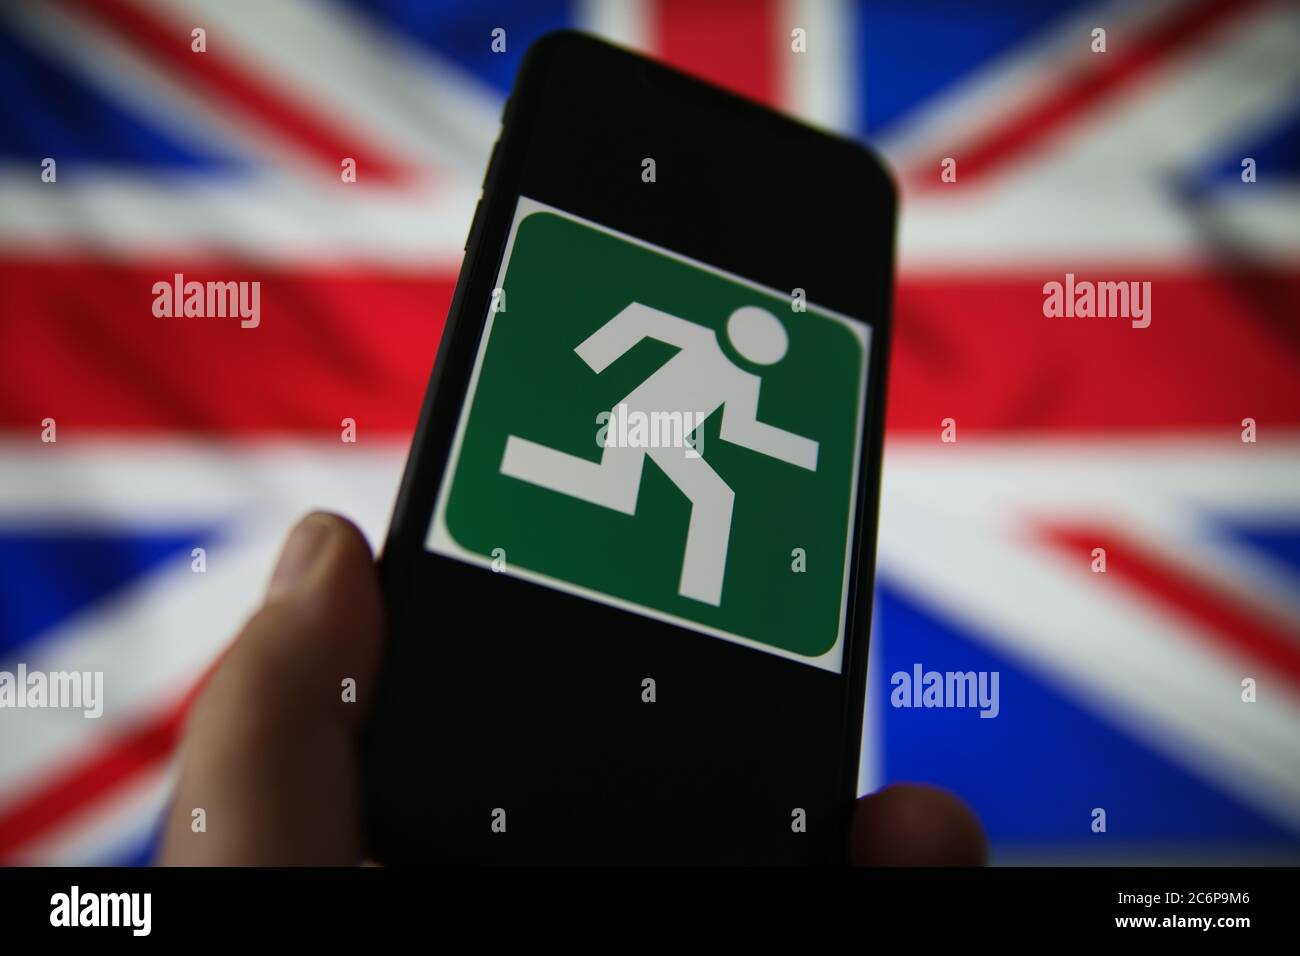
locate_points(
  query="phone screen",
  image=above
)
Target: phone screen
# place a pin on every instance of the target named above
(628, 580)
(648, 431)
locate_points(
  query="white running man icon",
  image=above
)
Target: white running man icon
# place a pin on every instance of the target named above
(699, 377)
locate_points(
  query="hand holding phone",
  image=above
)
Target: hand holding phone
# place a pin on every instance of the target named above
(279, 770)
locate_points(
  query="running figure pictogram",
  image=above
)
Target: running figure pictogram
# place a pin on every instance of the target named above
(699, 378)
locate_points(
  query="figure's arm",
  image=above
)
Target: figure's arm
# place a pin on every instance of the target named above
(740, 426)
(634, 323)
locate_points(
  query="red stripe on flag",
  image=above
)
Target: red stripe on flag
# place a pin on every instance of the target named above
(1126, 61)
(1222, 345)
(219, 74)
(84, 348)
(729, 42)
(89, 780)
(1223, 619)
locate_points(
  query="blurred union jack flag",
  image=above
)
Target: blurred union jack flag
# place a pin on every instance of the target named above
(1121, 691)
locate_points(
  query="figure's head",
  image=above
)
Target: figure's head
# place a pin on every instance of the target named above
(757, 334)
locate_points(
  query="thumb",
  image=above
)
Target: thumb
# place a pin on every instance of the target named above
(914, 825)
(270, 748)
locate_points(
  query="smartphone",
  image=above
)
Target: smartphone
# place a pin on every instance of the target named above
(629, 576)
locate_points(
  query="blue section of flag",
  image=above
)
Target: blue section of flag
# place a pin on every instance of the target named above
(142, 851)
(1275, 150)
(462, 33)
(47, 575)
(910, 51)
(50, 112)
(1278, 539)
(1035, 773)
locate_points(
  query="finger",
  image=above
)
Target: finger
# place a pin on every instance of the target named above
(270, 749)
(915, 825)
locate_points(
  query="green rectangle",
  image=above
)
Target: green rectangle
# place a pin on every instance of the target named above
(724, 495)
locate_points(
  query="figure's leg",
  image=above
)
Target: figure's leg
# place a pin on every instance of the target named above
(709, 531)
(612, 483)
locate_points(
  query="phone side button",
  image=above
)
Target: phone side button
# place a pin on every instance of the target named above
(472, 223)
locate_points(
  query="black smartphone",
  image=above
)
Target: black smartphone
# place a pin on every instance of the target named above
(629, 576)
